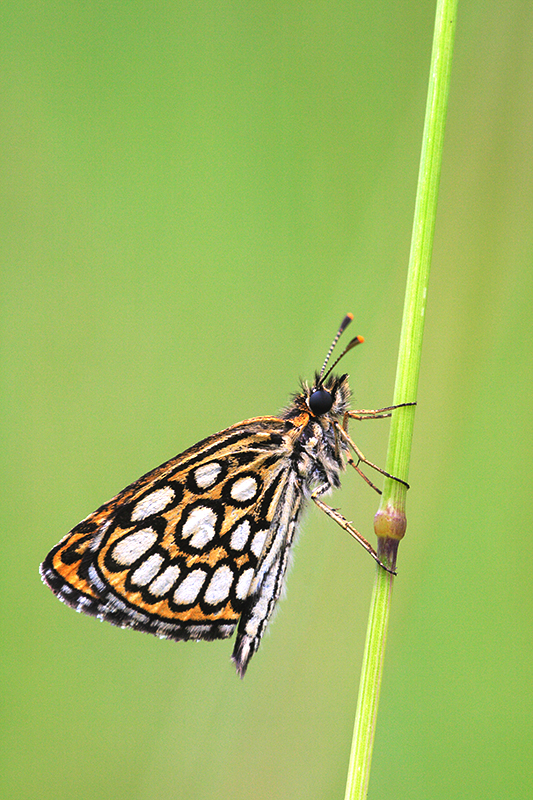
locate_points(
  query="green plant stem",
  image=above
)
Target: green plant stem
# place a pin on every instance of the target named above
(367, 702)
(390, 521)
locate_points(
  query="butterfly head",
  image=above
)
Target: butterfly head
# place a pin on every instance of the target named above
(331, 396)
(330, 393)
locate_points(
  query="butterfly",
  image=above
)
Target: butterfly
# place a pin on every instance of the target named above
(199, 547)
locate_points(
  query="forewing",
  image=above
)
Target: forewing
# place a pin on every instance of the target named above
(176, 552)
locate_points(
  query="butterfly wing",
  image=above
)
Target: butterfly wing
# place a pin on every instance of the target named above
(268, 581)
(181, 552)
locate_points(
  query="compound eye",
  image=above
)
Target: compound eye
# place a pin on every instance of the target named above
(320, 401)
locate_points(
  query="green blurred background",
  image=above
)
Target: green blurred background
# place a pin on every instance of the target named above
(194, 194)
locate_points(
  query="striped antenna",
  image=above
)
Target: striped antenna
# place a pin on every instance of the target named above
(350, 346)
(344, 324)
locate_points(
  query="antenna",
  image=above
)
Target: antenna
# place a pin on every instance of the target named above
(357, 340)
(350, 346)
(344, 324)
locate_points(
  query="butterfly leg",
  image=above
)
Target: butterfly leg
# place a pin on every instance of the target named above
(347, 526)
(372, 413)
(361, 459)
(360, 472)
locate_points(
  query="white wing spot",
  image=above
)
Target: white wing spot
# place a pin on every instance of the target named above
(240, 535)
(244, 489)
(258, 542)
(200, 526)
(164, 582)
(133, 546)
(243, 584)
(187, 592)
(219, 585)
(153, 503)
(207, 474)
(147, 570)
(97, 541)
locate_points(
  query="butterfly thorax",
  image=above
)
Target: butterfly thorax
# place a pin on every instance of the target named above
(316, 446)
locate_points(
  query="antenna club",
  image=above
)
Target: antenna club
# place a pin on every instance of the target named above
(346, 321)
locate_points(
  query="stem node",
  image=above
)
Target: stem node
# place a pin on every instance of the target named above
(390, 523)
